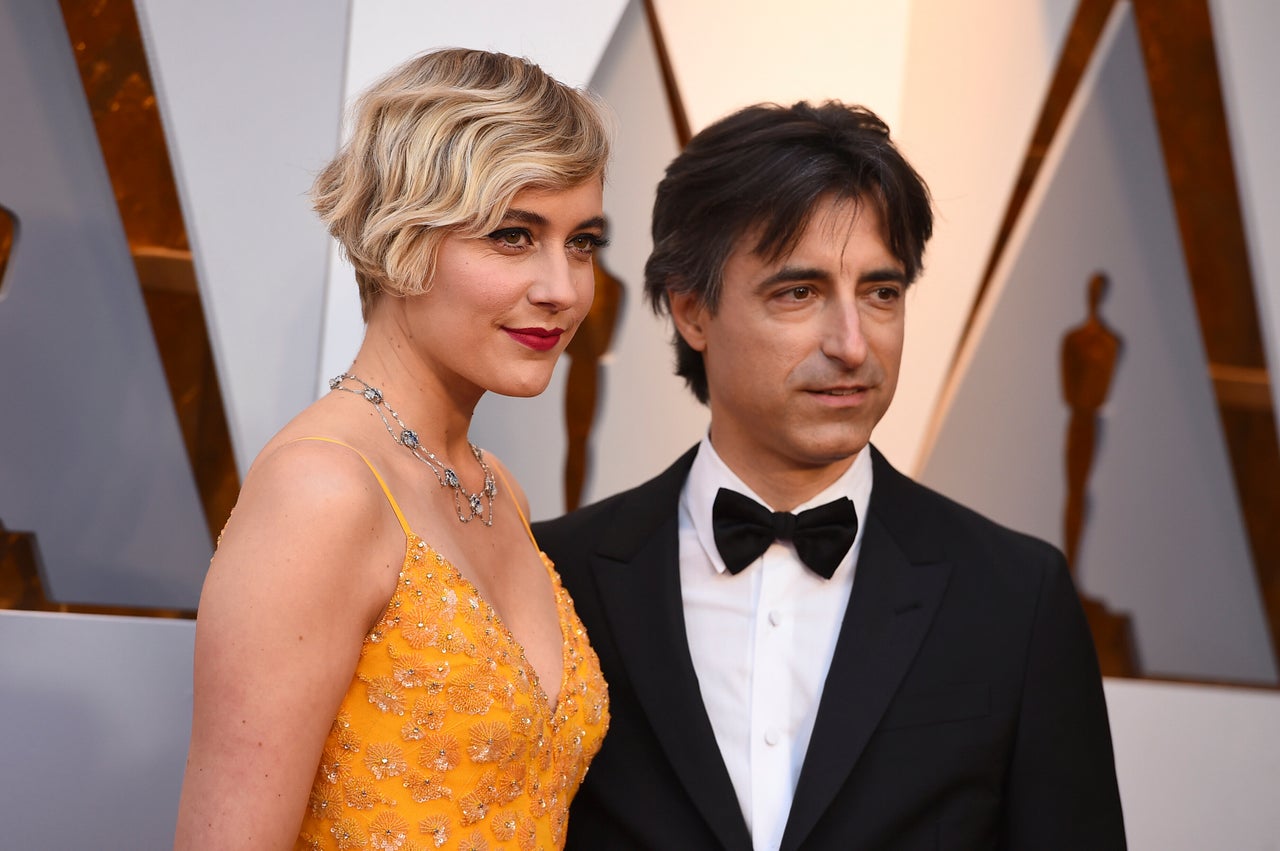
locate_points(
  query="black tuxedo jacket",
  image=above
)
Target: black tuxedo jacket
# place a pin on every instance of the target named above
(963, 707)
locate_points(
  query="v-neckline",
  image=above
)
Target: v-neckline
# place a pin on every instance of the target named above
(415, 542)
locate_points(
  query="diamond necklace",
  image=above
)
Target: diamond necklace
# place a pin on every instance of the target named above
(478, 504)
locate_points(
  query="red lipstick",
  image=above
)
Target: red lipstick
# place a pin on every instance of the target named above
(538, 339)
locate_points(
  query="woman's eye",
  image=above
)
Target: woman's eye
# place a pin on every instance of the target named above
(587, 243)
(511, 237)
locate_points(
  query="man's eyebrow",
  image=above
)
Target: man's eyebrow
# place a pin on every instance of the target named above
(528, 217)
(800, 274)
(793, 274)
(884, 275)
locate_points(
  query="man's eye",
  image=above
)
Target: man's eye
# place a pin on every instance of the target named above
(886, 293)
(800, 293)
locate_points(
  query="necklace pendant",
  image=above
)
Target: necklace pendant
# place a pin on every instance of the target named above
(474, 500)
(451, 478)
(409, 438)
(373, 394)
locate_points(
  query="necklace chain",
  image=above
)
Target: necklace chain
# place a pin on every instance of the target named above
(468, 505)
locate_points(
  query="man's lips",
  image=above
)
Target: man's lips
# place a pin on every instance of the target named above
(538, 339)
(838, 389)
(839, 396)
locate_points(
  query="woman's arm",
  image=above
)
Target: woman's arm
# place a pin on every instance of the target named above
(303, 569)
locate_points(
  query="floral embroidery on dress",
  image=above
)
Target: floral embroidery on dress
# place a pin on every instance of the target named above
(326, 800)
(348, 834)
(490, 741)
(474, 841)
(446, 738)
(439, 752)
(388, 832)
(385, 760)
(436, 828)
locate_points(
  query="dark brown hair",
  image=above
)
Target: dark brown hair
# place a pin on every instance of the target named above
(762, 171)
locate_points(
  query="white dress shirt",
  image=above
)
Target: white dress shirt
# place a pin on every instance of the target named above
(761, 640)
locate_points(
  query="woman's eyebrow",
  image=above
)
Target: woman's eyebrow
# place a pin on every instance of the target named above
(528, 217)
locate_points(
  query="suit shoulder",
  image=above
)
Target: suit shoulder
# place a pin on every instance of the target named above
(587, 520)
(624, 520)
(620, 523)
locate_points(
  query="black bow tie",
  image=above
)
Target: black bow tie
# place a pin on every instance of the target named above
(744, 529)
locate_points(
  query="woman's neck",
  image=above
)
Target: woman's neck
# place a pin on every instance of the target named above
(424, 400)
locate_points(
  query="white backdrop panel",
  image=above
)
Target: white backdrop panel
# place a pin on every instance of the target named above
(976, 77)
(1244, 32)
(1163, 539)
(728, 54)
(1198, 765)
(98, 713)
(250, 96)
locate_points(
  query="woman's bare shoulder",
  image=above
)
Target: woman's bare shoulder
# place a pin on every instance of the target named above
(311, 512)
(318, 460)
(312, 482)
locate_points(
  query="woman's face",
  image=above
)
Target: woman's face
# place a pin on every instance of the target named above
(503, 306)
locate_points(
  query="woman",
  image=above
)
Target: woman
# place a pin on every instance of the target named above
(442, 684)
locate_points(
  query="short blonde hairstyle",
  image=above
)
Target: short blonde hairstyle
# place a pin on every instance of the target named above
(441, 145)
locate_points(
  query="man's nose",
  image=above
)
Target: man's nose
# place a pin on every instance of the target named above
(843, 339)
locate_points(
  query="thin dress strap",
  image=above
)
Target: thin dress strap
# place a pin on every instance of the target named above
(404, 524)
(519, 511)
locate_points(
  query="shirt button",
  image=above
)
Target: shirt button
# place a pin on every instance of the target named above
(775, 617)
(771, 737)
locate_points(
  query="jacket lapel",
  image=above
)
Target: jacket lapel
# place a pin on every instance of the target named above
(638, 576)
(894, 599)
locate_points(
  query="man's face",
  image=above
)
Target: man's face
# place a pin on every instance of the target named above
(802, 353)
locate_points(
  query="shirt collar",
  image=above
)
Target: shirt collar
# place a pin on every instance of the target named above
(709, 473)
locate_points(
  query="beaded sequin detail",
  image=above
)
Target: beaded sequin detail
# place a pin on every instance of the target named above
(445, 738)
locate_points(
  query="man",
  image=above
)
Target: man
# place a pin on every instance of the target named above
(862, 663)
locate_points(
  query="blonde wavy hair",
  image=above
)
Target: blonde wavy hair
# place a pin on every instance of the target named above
(440, 146)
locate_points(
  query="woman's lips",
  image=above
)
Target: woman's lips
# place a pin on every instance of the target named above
(538, 339)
